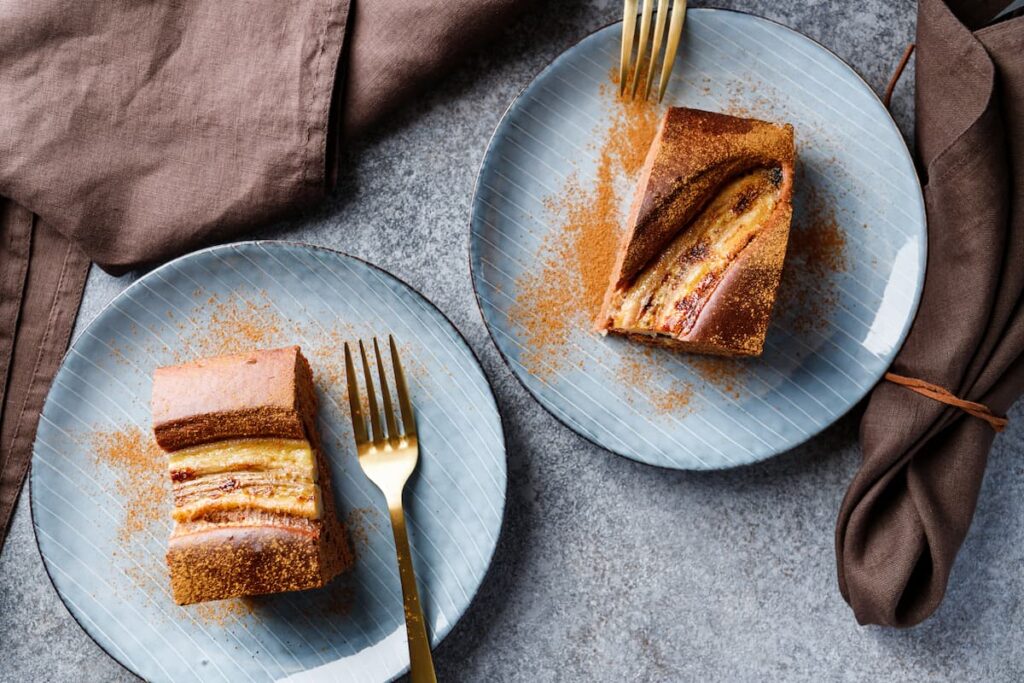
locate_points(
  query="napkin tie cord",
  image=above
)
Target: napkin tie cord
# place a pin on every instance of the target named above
(937, 393)
(895, 78)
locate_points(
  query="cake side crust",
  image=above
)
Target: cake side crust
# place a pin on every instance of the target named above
(232, 561)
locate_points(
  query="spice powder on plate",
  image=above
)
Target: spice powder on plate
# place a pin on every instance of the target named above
(809, 292)
(576, 258)
(565, 292)
(141, 481)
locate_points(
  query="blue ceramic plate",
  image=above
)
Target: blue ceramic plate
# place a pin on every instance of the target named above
(101, 515)
(854, 274)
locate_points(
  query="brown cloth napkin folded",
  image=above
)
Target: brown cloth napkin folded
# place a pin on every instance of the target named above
(132, 132)
(909, 507)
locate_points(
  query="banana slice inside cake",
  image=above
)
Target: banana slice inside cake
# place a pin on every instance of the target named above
(273, 475)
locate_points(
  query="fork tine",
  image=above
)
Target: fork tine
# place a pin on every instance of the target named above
(645, 30)
(628, 29)
(659, 34)
(354, 404)
(378, 430)
(385, 393)
(675, 31)
(403, 392)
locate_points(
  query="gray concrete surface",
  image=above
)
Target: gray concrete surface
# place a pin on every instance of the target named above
(608, 570)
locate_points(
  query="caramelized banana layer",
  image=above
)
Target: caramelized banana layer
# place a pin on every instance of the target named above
(274, 475)
(667, 297)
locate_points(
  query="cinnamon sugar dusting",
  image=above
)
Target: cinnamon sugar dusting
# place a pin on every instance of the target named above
(724, 373)
(575, 261)
(641, 370)
(562, 290)
(360, 523)
(817, 249)
(223, 612)
(140, 470)
(563, 293)
(594, 221)
(241, 324)
(236, 326)
(820, 243)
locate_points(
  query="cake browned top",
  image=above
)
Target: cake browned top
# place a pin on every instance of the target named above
(694, 153)
(265, 393)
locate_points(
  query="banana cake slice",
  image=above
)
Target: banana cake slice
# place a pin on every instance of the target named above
(699, 265)
(253, 510)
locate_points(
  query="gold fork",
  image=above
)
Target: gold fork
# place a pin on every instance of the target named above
(675, 31)
(388, 460)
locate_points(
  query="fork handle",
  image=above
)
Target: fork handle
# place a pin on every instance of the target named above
(421, 662)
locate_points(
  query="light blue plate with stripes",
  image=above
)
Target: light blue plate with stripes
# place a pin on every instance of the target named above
(845, 305)
(102, 528)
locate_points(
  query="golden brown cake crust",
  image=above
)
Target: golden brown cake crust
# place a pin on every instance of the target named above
(256, 394)
(694, 155)
(229, 561)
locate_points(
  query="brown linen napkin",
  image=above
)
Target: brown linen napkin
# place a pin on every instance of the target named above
(132, 132)
(909, 507)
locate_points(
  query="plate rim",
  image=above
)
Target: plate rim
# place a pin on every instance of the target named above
(907, 324)
(485, 575)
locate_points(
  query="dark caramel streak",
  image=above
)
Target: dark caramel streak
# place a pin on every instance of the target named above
(743, 202)
(183, 474)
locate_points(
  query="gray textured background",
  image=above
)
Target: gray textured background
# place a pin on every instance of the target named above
(606, 569)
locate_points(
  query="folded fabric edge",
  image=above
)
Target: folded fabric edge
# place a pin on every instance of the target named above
(326, 97)
(56, 271)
